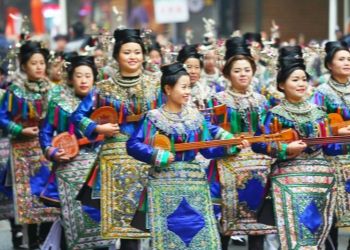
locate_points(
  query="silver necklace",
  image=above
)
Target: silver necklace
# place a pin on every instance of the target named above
(237, 94)
(170, 115)
(303, 108)
(126, 83)
(34, 86)
(331, 83)
(296, 112)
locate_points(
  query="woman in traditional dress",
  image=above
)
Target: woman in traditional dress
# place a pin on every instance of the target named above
(23, 108)
(200, 93)
(131, 94)
(60, 109)
(154, 62)
(335, 96)
(81, 75)
(6, 195)
(303, 187)
(55, 63)
(180, 213)
(155, 53)
(244, 110)
(210, 72)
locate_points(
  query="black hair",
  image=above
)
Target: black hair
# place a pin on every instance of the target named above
(79, 29)
(77, 61)
(155, 46)
(235, 46)
(126, 36)
(332, 48)
(171, 74)
(250, 37)
(290, 59)
(228, 65)
(2, 30)
(61, 37)
(30, 48)
(190, 51)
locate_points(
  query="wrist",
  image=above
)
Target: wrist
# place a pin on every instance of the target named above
(98, 129)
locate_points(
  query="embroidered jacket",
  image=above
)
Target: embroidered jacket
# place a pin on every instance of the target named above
(309, 125)
(186, 126)
(19, 101)
(334, 101)
(243, 113)
(57, 119)
(134, 100)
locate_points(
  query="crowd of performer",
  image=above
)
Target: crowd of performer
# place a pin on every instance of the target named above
(175, 147)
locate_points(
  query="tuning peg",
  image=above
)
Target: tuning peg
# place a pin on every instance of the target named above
(280, 126)
(262, 127)
(269, 147)
(279, 146)
(271, 128)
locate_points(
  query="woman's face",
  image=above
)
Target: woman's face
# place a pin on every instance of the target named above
(340, 66)
(155, 57)
(130, 57)
(35, 67)
(55, 72)
(194, 69)
(98, 55)
(241, 75)
(296, 86)
(209, 61)
(180, 93)
(83, 80)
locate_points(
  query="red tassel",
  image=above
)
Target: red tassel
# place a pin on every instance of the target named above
(93, 177)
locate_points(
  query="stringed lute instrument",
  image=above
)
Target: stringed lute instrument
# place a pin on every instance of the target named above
(337, 122)
(102, 115)
(163, 142)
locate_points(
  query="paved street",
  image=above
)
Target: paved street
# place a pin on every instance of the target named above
(5, 238)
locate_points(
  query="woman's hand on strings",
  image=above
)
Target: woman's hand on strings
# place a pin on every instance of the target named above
(244, 144)
(108, 129)
(30, 132)
(344, 131)
(296, 147)
(60, 156)
(171, 158)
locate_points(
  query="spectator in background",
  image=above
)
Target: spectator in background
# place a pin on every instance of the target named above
(338, 33)
(61, 42)
(78, 39)
(347, 37)
(4, 47)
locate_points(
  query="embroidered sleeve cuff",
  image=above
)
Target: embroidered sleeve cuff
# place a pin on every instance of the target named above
(87, 126)
(160, 158)
(52, 154)
(14, 129)
(275, 153)
(345, 148)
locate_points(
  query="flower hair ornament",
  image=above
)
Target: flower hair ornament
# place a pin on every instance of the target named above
(119, 18)
(188, 36)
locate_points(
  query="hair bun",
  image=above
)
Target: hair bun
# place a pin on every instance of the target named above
(250, 37)
(234, 46)
(75, 61)
(339, 45)
(291, 57)
(120, 35)
(31, 47)
(188, 51)
(155, 46)
(172, 69)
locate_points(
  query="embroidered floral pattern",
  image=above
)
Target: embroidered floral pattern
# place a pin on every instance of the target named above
(176, 123)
